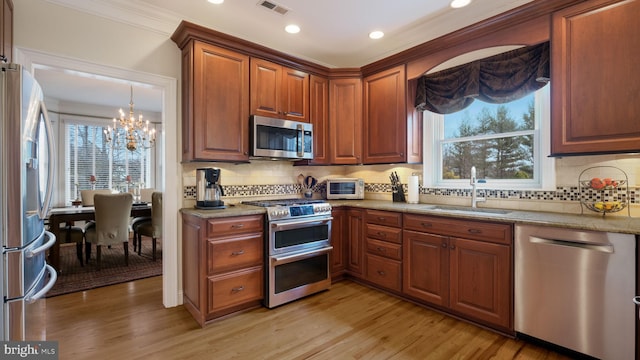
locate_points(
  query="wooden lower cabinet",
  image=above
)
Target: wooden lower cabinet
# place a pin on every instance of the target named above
(480, 281)
(355, 242)
(339, 242)
(383, 246)
(223, 261)
(471, 276)
(426, 267)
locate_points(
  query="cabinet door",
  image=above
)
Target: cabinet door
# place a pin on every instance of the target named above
(266, 80)
(345, 121)
(355, 223)
(217, 125)
(426, 267)
(481, 281)
(295, 95)
(385, 119)
(193, 284)
(339, 242)
(319, 118)
(595, 47)
(279, 92)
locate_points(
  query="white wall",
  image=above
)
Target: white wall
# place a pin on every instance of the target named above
(55, 29)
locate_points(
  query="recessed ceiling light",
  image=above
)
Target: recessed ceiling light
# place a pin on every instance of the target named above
(459, 3)
(376, 34)
(292, 29)
(216, 1)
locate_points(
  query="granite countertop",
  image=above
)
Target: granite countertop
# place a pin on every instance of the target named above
(594, 222)
(228, 211)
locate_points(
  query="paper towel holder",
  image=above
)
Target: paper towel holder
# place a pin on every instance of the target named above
(413, 188)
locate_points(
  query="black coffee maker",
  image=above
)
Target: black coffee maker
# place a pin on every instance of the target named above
(208, 189)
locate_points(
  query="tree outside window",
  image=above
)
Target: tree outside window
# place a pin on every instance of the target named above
(503, 142)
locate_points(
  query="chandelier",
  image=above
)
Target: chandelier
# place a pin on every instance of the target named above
(137, 134)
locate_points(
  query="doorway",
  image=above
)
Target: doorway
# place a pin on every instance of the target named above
(169, 173)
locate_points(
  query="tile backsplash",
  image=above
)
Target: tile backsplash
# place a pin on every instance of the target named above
(266, 179)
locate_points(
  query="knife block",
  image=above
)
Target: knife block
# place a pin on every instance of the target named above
(398, 194)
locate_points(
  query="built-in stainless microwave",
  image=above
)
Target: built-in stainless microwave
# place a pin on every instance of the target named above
(280, 139)
(345, 188)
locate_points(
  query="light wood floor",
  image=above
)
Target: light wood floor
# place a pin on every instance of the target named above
(350, 321)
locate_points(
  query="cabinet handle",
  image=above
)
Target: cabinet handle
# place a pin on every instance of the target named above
(444, 245)
(453, 247)
(380, 233)
(380, 218)
(474, 231)
(381, 249)
(237, 253)
(237, 289)
(237, 226)
(427, 225)
(381, 273)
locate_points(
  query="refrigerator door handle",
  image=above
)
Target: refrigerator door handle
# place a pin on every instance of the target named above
(51, 164)
(31, 298)
(44, 247)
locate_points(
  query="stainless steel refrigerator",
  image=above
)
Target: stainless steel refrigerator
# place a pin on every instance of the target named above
(27, 171)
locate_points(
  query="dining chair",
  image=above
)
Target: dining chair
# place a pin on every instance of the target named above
(73, 234)
(145, 194)
(152, 227)
(111, 225)
(87, 195)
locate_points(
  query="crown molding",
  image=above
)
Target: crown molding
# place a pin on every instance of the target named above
(130, 12)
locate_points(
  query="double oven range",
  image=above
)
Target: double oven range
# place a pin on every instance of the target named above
(298, 245)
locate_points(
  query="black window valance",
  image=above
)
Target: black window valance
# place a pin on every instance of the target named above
(497, 79)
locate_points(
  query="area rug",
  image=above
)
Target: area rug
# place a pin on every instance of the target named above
(73, 278)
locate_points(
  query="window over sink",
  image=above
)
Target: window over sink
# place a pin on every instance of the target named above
(507, 143)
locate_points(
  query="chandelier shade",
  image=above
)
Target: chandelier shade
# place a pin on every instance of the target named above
(137, 134)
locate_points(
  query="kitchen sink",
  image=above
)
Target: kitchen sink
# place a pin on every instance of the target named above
(467, 209)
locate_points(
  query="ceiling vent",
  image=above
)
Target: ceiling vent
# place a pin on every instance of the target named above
(269, 5)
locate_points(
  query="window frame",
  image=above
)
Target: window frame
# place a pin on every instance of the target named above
(543, 164)
(64, 151)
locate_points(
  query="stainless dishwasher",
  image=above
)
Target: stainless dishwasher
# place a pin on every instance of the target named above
(575, 288)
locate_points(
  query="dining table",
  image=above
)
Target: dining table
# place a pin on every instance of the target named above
(69, 215)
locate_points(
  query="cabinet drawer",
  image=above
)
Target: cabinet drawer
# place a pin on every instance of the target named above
(384, 233)
(468, 229)
(384, 272)
(234, 225)
(234, 288)
(234, 253)
(383, 248)
(386, 218)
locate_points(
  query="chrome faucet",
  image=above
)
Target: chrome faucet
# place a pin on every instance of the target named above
(474, 183)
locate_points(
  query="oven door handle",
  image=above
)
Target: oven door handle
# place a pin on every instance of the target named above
(281, 260)
(296, 224)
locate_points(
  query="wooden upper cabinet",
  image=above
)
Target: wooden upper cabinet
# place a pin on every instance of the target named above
(215, 90)
(345, 121)
(319, 118)
(595, 47)
(278, 91)
(385, 119)
(6, 31)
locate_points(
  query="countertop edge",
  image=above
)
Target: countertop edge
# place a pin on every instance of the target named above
(592, 222)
